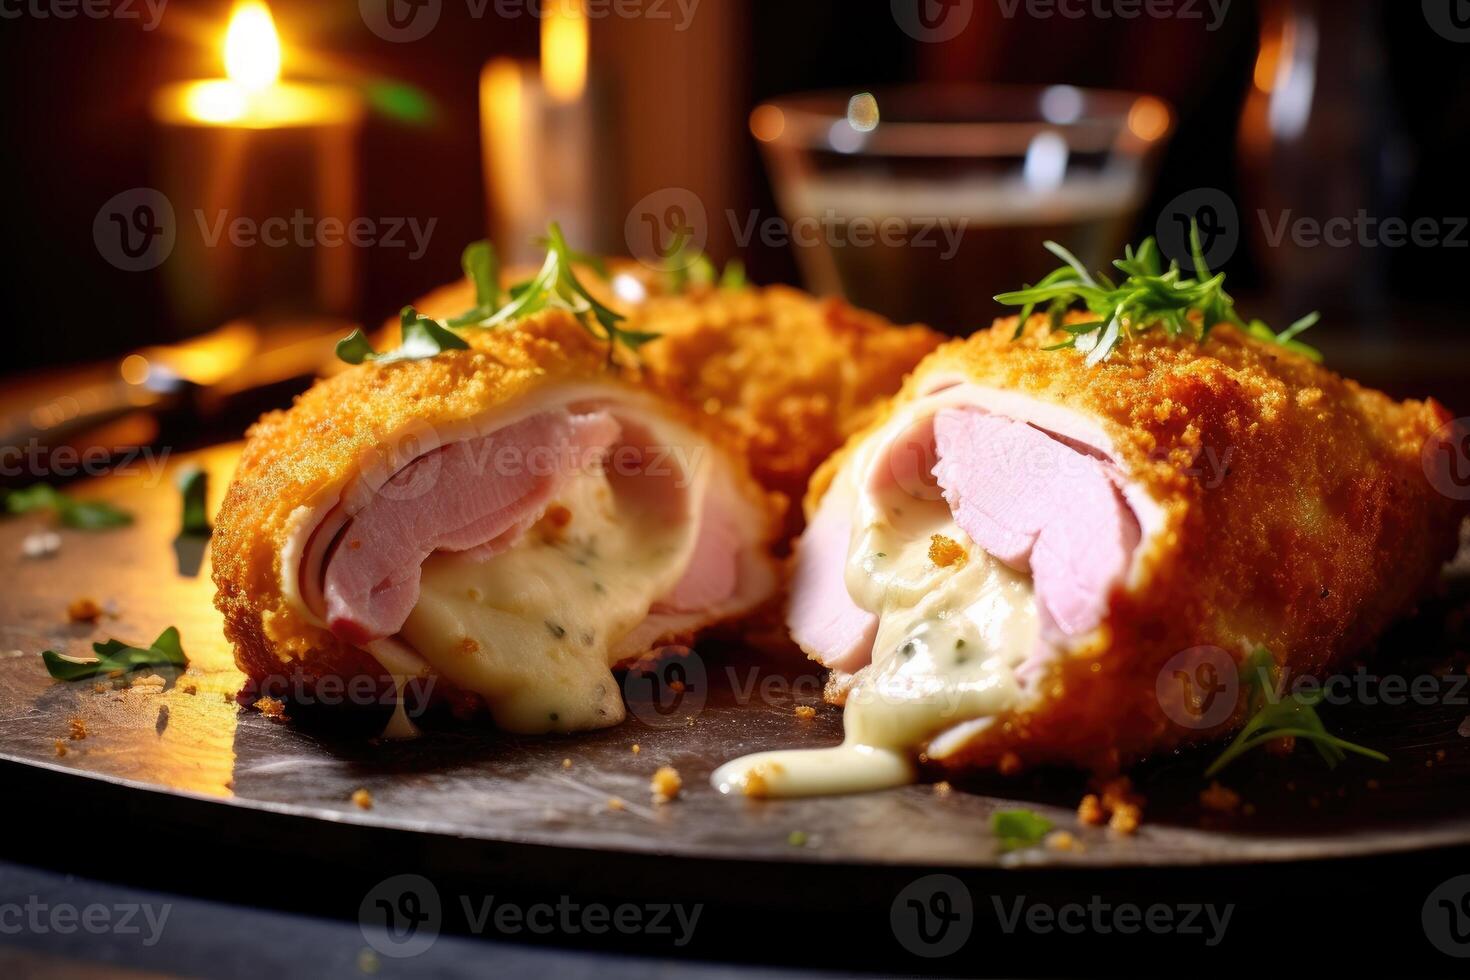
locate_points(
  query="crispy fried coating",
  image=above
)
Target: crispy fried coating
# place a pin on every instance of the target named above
(342, 425)
(790, 375)
(1296, 516)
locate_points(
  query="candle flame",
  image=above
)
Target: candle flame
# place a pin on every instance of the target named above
(564, 50)
(252, 47)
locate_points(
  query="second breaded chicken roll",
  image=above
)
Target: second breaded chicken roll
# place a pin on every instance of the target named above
(1024, 560)
(512, 516)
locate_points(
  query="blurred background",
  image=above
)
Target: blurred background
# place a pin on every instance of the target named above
(169, 178)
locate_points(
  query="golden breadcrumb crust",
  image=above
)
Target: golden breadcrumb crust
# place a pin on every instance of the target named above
(1296, 516)
(303, 456)
(789, 375)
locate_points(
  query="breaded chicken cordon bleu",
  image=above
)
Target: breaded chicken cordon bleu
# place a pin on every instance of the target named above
(998, 571)
(511, 503)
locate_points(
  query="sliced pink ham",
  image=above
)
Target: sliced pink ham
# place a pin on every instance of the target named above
(824, 620)
(1041, 506)
(477, 494)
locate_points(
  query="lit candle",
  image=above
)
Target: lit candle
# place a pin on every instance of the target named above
(247, 149)
(546, 145)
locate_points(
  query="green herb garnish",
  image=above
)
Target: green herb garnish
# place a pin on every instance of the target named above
(422, 338)
(194, 489)
(690, 267)
(85, 515)
(556, 286)
(1276, 717)
(481, 267)
(115, 655)
(1019, 828)
(1149, 297)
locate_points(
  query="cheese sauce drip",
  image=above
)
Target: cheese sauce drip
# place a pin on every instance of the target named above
(954, 624)
(533, 628)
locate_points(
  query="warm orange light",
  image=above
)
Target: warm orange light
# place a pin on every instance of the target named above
(252, 47)
(1267, 62)
(1148, 119)
(564, 50)
(767, 123)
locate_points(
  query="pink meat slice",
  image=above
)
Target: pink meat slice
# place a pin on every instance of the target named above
(1039, 505)
(822, 616)
(710, 576)
(480, 494)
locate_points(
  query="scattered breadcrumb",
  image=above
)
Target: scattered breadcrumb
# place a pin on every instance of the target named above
(943, 788)
(613, 803)
(1126, 819)
(805, 712)
(1117, 806)
(363, 799)
(566, 763)
(944, 551)
(677, 686)
(637, 748)
(754, 784)
(191, 688)
(273, 708)
(84, 610)
(99, 688)
(60, 748)
(78, 728)
(797, 838)
(1062, 840)
(1009, 764)
(1220, 798)
(666, 784)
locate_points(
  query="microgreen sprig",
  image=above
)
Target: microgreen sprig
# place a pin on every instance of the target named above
(1148, 297)
(85, 515)
(1276, 717)
(556, 286)
(422, 337)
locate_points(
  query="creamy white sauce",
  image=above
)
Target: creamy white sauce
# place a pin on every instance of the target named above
(531, 629)
(950, 638)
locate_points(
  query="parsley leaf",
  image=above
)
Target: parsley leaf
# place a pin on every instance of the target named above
(1019, 828)
(115, 655)
(481, 267)
(1276, 717)
(1149, 297)
(422, 338)
(556, 286)
(85, 515)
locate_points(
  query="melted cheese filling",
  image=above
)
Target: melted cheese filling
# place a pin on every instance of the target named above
(951, 636)
(531, 629)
